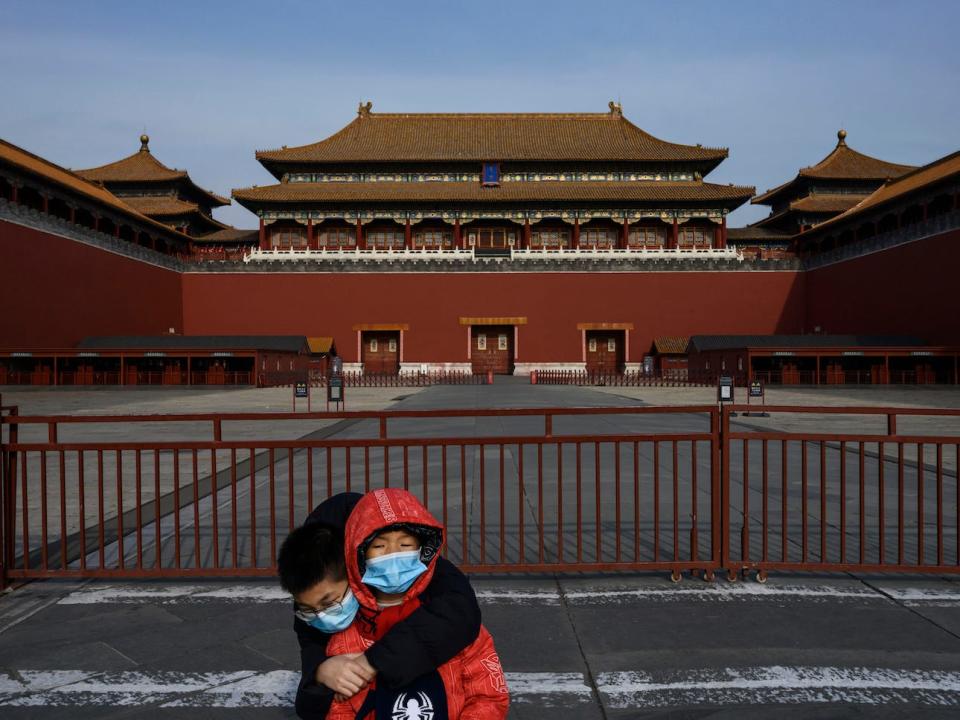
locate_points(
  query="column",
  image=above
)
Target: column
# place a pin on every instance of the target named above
(723, 232)
(675, 235)
(361, 244)
(46, 204)
(14, 193)
(310, 244)
(73, 215)
(263, 235)
(625, 235)
(96, 223)
(457, 234)
(116, 230)
(408, 235)
(153, 242)
(526, 233)
(576, 235)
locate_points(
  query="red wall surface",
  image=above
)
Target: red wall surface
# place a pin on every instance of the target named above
(54, 292)
(669, 303)
(913, 289)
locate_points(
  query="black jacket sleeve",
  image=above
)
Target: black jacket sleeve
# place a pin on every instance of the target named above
(446, 622)
(313, 700)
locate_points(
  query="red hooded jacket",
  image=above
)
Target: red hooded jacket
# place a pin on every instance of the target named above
(473, 680)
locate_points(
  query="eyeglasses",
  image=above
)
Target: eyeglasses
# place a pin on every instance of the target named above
(334, 608)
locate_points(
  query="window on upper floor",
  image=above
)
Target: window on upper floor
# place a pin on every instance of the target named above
(647, 237)
(288, 238)
(337, 238)
(597, 238)
(433, 239)
(695, 237)
(379, 239)
(550, 238)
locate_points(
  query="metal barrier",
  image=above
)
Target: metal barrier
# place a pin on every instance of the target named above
(591, 489)
(814, 500)
(624, 379)
(438, 377)
(554, 500)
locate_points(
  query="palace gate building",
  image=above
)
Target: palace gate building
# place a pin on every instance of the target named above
(481, 242)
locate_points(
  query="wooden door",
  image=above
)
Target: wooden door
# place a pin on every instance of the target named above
(605, 351)
(380, 352)
(491, 349)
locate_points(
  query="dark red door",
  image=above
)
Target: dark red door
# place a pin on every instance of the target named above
(380, 352)
(605, 351)
(491, 349)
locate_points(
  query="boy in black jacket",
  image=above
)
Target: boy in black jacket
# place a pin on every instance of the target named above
(446, 623)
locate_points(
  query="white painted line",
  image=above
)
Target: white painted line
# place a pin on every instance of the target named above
(780, 685)
(244, 688)
(724, 592)
(924, 597)
(724, 686)
(704, 592)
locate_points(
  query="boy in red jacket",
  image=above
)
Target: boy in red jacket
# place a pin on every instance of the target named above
(392, 543)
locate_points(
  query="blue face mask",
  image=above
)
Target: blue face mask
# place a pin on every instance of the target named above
(394, 573)
(336, 618)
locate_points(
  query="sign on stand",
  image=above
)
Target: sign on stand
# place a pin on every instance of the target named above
(301, 390)
(725, 389)
(756, 391)
(335, 392)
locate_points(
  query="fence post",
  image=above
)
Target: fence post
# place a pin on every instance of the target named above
(720, 429)
(8, 483)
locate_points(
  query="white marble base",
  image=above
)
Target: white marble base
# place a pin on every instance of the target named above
(525, 368)
(409, 368)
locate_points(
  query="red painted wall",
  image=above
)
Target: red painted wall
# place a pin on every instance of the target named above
(907, 290)
(54, 292)
(674, 303)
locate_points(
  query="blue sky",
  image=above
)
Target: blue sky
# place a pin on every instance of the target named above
(213, 81)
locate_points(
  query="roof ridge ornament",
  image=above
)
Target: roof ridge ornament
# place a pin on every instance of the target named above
(145, 143)
(615, 108)
(841, 137)
(364, 109)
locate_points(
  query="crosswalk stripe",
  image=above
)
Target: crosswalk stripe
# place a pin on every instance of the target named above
(774, 684)
(717, 592)
(242, 688)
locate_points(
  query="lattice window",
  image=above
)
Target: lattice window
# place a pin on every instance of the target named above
(550, 238)
(288, 239)
(597, 238)
(337, 238)
(433, 239)
(696, 237)
(647, 237)
(378, 239)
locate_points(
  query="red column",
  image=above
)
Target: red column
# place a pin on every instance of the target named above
(96, 223)
(675, 235)
(310, 243)
(153, 242)
(14, 193)
(263, 235)
(576, 232)
(625, 235)
(723, 232)
(73, 216)
(46, 205)
(361, 244)
(526, 233)
(116, 230)
(457, 235)
(408, 235)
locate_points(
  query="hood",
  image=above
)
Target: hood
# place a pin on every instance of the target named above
(377, 511)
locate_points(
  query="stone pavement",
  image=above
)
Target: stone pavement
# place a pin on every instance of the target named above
(605, 646)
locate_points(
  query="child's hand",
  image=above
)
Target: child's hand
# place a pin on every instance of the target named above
(344, 674)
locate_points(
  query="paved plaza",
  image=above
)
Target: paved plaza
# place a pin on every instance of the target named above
(578, 646)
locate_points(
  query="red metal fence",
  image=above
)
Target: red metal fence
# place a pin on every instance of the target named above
(669, 378)
(527, 490)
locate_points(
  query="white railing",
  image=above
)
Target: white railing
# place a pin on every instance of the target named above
(526, 254)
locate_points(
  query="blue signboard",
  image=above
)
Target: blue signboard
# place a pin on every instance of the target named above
(491, 173)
